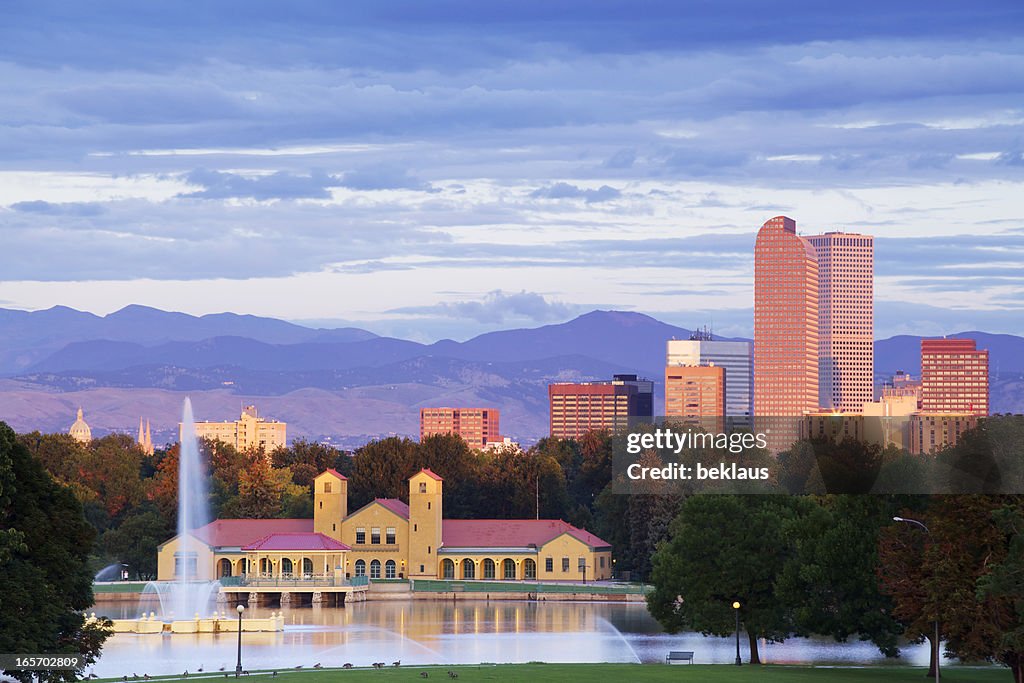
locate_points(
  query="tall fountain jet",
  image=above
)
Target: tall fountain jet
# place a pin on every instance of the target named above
(190, 596)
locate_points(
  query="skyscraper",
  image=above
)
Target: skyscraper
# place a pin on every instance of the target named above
(477, 426)
(578, 408)
(736, 360)
(785, 330)
(846, 357)
(954, 377)
(695, 395)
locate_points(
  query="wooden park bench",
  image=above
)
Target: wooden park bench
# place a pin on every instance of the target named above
(679, 656)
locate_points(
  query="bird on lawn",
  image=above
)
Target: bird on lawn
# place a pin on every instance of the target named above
(346, 665)
(200, 669)
(398, 663)
(318, 665)
(423, 674)
(185, 674)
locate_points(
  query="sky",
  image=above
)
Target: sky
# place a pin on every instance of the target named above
(442, 169)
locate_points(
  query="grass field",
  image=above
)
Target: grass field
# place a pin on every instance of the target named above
(627, 673)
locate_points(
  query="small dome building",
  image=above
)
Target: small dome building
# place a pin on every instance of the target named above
(80, 430)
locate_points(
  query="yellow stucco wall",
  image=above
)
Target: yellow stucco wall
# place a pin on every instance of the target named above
(329, 506)
(376, 516)
(566, 547)
(425, 515)
(166, 555)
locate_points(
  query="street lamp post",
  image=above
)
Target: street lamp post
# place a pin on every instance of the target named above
(736, 609)
(238, 665)
(937, 653)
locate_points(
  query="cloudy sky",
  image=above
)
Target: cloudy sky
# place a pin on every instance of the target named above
(443, 168)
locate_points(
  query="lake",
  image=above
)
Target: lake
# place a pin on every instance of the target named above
(466, 632)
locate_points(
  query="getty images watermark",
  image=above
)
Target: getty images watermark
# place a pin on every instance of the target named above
(815, 454)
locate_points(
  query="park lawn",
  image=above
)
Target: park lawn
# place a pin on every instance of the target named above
(625, 673)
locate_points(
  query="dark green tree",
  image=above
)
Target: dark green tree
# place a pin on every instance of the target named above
(380, 469)
(134, 542)
(831, 580)
(723, 549)
(44, 552)
(306, 460)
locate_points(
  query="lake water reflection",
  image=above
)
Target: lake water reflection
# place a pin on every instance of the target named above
(466, 632)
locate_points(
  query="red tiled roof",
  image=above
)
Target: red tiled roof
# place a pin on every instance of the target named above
(395, 505)
(429, 473)
(296, 541)
(335, 472)
(240, 532)
(510, 533)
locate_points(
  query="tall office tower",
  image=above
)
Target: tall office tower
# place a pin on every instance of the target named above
(695, 394)
(954, 377)
(736, 360)
(846, 356)
(477, 426)
(785, 331)
(576, 409)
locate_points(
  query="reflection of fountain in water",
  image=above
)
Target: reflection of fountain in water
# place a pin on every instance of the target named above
(402, 640)
(188, 594)
(621, 637)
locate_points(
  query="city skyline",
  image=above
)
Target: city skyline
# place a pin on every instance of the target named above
(497, 169)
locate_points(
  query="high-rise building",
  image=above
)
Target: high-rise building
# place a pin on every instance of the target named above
(249, 431)
(477, 426)
(785, 330)
(845, 319)
(578, 408)
(737, 362)
(932, 432)
(954, 377)
(695, 395)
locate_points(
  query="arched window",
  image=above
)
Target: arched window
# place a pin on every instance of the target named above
(468, 569)
(448, 569)
(389, 569)
(307, 566)
(265, 567)
(225, 567)
(360, 567)
(242, 567)
(375, 569)
(529, 569)
(488, 568)
(286, 567)
(509, 568)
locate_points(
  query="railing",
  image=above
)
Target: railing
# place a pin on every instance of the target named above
(471, 586)
(292, 581)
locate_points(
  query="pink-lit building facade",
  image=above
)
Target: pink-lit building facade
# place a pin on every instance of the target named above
(785, 329)
(954, 377)
(477, 426)
(846, 357)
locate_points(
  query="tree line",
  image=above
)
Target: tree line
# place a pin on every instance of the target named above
(838, 564)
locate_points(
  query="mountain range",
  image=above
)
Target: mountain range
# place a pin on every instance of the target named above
(347, 384)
